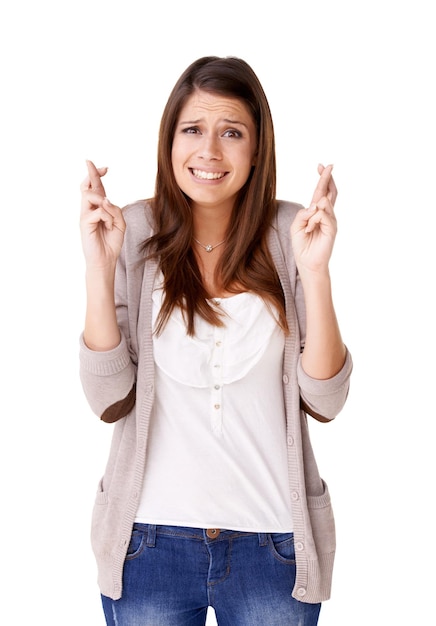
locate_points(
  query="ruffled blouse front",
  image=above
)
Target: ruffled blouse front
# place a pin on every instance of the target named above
(242, 343)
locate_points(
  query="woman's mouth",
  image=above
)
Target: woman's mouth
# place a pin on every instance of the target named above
(207, 175)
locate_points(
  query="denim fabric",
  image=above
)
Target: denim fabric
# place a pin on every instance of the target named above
(172, 574)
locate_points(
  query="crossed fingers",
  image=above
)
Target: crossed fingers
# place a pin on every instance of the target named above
(325, 194)
(93, 181)
(323, 200)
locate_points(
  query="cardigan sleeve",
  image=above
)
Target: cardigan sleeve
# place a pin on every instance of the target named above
(108, 380)
(324, 399)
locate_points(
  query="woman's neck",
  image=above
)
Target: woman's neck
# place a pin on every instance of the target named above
(210, 224)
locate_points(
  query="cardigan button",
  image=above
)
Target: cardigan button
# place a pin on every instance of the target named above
(285, 379)
(301, 592)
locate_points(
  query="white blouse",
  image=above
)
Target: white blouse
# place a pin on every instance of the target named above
(217, 447)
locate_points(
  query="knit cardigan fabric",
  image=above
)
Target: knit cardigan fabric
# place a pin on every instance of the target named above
(119, 387)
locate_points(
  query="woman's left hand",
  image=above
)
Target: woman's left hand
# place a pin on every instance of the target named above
(313, 230)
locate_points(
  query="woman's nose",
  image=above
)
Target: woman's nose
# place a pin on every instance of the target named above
(209, 148)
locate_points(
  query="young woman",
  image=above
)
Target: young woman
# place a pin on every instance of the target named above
(210, 335)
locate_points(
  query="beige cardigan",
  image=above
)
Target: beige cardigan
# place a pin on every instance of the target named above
(119, 387)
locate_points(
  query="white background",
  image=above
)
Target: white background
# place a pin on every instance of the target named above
(348, 83)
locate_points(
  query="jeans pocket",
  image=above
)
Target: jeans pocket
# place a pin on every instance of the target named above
(281, 546)
(136, 544)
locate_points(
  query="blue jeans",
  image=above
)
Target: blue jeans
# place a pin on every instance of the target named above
(172, 574)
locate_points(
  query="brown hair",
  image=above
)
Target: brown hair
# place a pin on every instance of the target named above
(245, 260)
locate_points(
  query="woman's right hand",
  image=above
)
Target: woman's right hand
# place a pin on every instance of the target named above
(102, 224)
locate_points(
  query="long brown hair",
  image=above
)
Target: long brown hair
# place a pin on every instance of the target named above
(245, 260)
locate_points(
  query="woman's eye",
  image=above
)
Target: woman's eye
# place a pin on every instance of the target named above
(191, 130)
(232, 133)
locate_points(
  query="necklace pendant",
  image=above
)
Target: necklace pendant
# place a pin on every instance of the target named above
(209, 247)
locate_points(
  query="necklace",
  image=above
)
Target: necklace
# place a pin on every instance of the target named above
(209, 247)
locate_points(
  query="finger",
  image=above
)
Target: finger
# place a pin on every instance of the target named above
(116, 214)
(332, 193)
(322, 187)
(86, 184)
(91, 199)
(94, 175)
(97, 216)
(325, 204)
(323, 183)
(314, 221)
(111, 208)
(319, 219)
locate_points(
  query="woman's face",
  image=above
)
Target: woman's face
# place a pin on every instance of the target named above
(214, 148)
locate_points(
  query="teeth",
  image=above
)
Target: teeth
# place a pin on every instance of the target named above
(207, 175)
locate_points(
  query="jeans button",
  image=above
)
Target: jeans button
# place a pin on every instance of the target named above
(213, 533)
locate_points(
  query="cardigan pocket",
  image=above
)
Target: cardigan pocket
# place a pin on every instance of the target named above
(102, 531)
(322, 521)
(101, 496)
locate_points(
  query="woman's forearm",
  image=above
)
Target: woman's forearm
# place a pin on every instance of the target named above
(324, 351)
(101, 331)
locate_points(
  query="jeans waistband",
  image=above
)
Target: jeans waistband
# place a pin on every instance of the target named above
(209, 535)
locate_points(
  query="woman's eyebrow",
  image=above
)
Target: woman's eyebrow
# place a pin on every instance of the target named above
(226, 120)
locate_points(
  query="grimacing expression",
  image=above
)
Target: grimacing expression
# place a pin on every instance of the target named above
(214, 148)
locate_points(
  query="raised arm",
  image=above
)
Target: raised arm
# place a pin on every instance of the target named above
(313, 234)
(102, 229)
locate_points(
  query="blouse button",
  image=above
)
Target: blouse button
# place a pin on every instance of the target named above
(216, 386)
(217, 406)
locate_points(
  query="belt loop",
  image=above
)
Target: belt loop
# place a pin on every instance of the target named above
(151, 536)
(263, 539)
